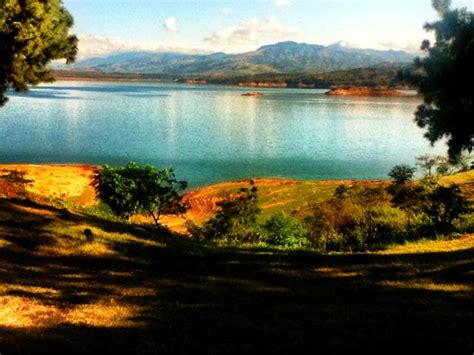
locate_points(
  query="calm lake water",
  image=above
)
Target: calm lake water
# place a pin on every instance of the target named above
(212, 133)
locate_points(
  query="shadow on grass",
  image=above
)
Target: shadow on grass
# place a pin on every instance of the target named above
(181, 297)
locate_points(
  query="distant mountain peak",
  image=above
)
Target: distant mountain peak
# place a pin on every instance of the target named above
(282, 57)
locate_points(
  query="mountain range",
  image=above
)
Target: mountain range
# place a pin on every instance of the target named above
(284, 57)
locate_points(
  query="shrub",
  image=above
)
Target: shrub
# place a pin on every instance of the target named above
(135, 189)
(285, 231)
(401, 174)
(364, 218)
(235, 222)
(427, 200)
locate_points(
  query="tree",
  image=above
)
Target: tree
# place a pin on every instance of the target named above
(427, 162)
(447, 203)
(401, 174)
(32, 33)
(444, 78)
(236, 221)
(135, 189)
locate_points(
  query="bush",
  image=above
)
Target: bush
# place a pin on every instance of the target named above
(285, 231)
(427, 201)
(235, 222)
(401, 174)
(363, 218)
(135, 189)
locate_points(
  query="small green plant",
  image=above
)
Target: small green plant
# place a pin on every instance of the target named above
(285, 231)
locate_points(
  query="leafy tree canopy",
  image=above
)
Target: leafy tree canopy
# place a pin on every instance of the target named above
(135, 189)
(401, 174)
(236, 220)
(444, 78)
(32, 33)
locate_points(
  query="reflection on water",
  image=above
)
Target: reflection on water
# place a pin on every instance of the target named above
(211, 133)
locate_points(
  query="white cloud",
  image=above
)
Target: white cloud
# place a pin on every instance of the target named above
(171, 24)
(97, 46)
(280, 3)
(250, 34)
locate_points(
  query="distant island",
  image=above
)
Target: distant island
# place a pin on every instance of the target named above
(253, 93)
(366, 91)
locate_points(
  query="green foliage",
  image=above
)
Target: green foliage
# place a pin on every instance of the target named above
(447, 203)
(445, 77)
(442, 165)
(285, 231)
(401, 174)
(235, 222)
(427, 162)
(134, 189)
(32, 33)
(428, 201)
(362, 218)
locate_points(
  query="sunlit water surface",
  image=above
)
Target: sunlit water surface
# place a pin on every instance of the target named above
(212, 133)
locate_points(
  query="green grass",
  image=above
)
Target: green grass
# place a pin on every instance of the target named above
(274, 195)
(132, 291)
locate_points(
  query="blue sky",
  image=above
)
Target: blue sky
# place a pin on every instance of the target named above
(107, 26)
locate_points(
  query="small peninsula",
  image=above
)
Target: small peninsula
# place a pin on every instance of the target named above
(366, 91)
(253, 93)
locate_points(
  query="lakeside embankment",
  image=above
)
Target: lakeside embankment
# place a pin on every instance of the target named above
(367, 91)
(72, 184)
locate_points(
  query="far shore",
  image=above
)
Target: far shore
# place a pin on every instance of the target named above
(351, 91)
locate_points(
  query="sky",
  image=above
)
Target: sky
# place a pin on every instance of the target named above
(236, 26)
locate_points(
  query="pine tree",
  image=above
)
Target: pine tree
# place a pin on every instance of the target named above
(445, 80)
(32, 33)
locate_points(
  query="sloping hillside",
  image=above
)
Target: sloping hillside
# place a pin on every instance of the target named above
(284, 57)
(131, 290)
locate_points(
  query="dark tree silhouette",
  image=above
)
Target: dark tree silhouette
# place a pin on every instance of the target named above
(445, 79)
(32, 33)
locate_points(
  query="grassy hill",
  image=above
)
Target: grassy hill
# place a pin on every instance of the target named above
(134, 290)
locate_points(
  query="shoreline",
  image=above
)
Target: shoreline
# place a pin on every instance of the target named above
(260, 85)
(257, 180)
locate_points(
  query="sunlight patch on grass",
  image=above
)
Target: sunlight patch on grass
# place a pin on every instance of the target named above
(335, 272)
(433, 246)
(24, 312)
(43, 291)
(4, 243)
(89, 249)
(134, 291)
(429, 285)
(103, 314)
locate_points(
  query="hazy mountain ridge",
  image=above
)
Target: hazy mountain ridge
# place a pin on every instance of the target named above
(283, 57)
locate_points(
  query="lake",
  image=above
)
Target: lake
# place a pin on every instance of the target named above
(212, 133)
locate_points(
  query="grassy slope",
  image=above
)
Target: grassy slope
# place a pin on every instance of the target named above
(134, 291)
